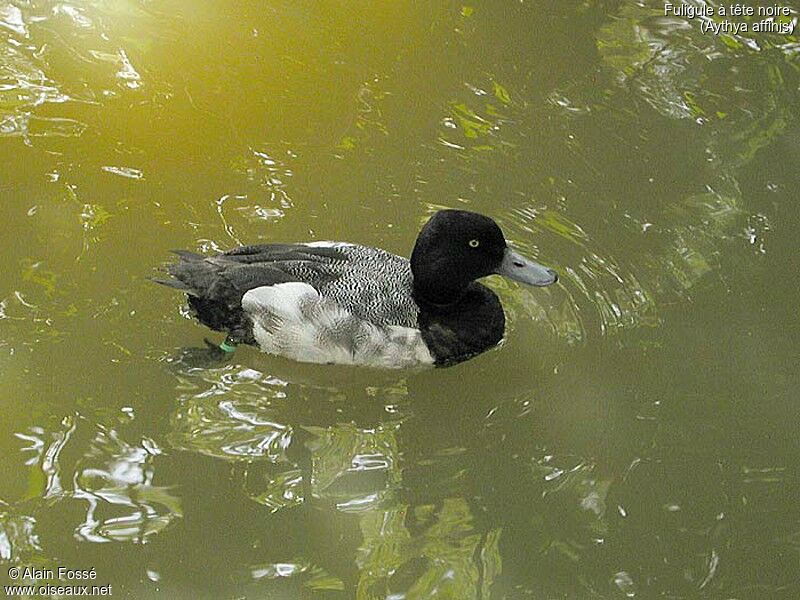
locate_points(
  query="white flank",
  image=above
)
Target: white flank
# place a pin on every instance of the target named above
(293, 320)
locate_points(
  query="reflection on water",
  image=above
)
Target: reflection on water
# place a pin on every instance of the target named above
(111, 477)
(355, 468)
(632, 437)
(232, 418)
(18, 540)
(341, 467)
(427, 551)
(119, 482)
(240, 414)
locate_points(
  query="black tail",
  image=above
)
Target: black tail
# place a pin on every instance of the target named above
(192, 274)
(215, 302)
(215, 284)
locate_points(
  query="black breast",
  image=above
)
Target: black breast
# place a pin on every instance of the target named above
(457, 332)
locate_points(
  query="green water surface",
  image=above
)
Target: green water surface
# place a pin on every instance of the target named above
(636, 434)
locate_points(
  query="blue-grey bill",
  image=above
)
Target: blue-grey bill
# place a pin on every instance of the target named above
(517, 267)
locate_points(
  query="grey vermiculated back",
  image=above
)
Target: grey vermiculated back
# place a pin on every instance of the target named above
(371, 283)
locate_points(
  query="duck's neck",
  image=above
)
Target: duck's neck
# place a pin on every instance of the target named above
(439, 292)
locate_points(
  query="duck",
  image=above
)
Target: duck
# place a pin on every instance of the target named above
(345, 303)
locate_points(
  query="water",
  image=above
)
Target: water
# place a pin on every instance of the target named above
(634, 436)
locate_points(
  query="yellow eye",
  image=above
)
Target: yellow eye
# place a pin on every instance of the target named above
(474, 243)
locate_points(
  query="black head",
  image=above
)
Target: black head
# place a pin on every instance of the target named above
(456, 247)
